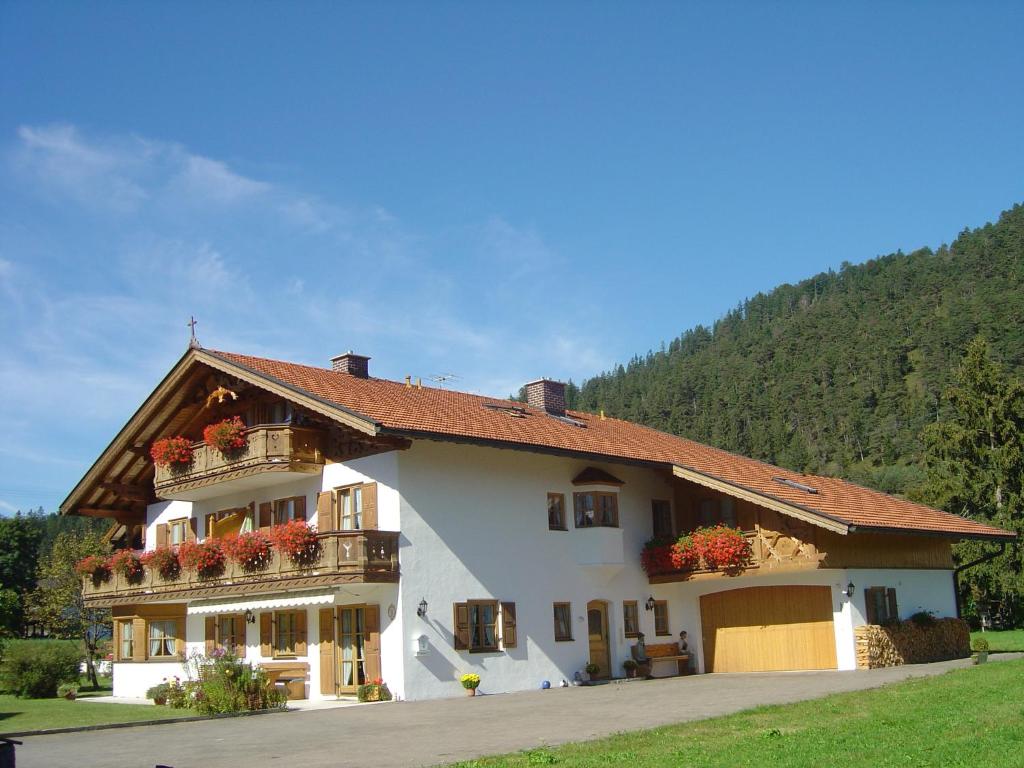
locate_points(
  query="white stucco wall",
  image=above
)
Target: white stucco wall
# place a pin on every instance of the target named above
(133, 679)
(916, 590)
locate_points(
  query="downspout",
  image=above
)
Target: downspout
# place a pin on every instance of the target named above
(965, 566)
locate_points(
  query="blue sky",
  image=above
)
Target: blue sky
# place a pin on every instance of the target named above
(499, 191)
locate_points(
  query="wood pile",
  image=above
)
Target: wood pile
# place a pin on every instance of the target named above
(908, 642)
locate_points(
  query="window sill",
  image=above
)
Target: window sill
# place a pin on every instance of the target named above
(663, 634)
(557, 529)
(564, 640)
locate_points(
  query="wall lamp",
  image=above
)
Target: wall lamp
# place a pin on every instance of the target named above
(849, 589)
(649, 605)
(421, 610)
(250, 617)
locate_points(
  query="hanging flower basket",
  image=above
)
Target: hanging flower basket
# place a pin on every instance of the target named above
(163, 560)
(251, 550)
(206, 558)
(722, 548)
(94, 567)
(227, 436)
(173, 452)
(298, 542)
(128, 565)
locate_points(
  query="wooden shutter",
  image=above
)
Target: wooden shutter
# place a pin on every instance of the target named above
(300, 507)
(371, 642)
(190, 529)
(370, 506)
(890, 595)
(266, 515)
(869, 606)
(238, 628)
(140, 639)
(300, 632)
(211, 634)
(460, 626)
(325, 511)
(179, 639)
(116, 639)
(161, 535)
(266, 635)
(327, 660)
(508, 625)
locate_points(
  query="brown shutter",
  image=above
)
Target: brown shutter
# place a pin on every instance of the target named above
(460, 626)
(190, 529)
(300, 632)
(894, 612)
(140, 639)
(869, 606)
(300, 507)
(508, 625)
(327, 660)
(266, 635)
(238, 626)
(116, 639)
(370, 506)
(179, 639)
(266, 515)
(161, 535)
(211, 634)
(371, 642)
(325, 511)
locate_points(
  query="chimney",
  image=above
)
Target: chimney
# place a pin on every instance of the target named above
(547, 395)
(352, 364)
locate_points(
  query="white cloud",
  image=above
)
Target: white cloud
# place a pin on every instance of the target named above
(212, 180)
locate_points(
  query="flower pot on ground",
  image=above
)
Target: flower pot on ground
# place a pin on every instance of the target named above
(227, 436)
(630, 666)
(591, 669)
(158, 694)
(470, 682)
(376, 690)
(980, 647)
(173, 452)
(68, 691)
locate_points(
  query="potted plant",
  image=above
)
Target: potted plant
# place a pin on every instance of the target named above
(226, 436)
(980, 647)
(128, 565)
(68, 691)
(158, 693)
(656, 557)
(630, 666)
(174, 452)
(470, 682)
(206, 558)
(164, 560)
(95, 567)
(296, 540)
(376, 690)
(722, 548)
(250, 550)
(591, 669)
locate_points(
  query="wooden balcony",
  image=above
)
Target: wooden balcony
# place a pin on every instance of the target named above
(346, 557)
(273, 453)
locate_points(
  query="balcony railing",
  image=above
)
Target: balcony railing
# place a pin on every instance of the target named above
(268, 448)
(345, 557)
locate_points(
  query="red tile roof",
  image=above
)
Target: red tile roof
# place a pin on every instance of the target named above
(430, 412)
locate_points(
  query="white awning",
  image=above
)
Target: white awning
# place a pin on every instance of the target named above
(268, 602)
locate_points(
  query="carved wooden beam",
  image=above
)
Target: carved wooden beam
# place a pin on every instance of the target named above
(128, 491)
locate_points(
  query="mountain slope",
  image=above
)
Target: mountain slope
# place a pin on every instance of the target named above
(839, 373)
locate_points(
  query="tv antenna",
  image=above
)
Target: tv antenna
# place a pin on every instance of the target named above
(443, 378)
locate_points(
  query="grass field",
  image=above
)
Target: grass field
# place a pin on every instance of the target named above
(18, 715)
(1007, 640)
(967, 718)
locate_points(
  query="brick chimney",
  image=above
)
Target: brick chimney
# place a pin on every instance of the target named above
(352, 364)
(548, 395)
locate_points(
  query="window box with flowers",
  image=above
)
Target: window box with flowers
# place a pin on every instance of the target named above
(206, 558)
(127, 564)
(163, 561)
(656, 557)
(94, 567)
(722, 548)
(298, 542)
(227, 436)
(173, 452)
(252, 550)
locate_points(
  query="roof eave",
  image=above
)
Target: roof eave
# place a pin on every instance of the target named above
(1006, 536)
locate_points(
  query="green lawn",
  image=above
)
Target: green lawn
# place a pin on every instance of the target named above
(1006, 640)
(18, 715)
(971, 717)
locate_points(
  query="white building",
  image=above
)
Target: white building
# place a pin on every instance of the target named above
(460, 534)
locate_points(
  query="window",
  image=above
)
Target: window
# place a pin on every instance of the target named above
(596, 509)
(630, 618)
(350, 508)
(556, 512)
(563, 622)
(661, 617)
(176, 531)
(126, 652)
(661, 513)
(880, 604)
(162, 638)
(476, 625)
(284, 511)
(717, 511)
(286, 633)
(483, 624)
(231, 633)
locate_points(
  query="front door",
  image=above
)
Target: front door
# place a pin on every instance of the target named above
(597, 629)
(351, 648)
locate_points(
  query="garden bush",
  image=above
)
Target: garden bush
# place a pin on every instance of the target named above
(34, 669)
(223, 683)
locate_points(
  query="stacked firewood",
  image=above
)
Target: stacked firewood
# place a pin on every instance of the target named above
(910, 642)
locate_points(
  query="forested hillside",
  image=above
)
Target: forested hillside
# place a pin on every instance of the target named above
(840, 373)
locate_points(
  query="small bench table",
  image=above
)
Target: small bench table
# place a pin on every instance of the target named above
(659, 653)
(289, 675)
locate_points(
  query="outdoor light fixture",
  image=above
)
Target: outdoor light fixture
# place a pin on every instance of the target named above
(421, 611)
(250, 617)
(849, 589)
(649, 605)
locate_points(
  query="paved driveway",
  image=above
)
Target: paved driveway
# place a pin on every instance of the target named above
(426, 733)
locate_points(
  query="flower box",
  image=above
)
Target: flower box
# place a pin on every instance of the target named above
(226, 436)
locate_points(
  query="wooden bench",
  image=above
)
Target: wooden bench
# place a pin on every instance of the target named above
(661, 653)
(290, 675)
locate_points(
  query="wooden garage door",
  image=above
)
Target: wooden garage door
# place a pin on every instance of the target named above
(764, 629)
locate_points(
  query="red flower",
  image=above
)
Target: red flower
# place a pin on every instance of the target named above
(656, 557)
(164, 560)
(205, 558)
(126, 563)
(227, 435)
(249, 550)
(685, 556)
(722, 547)
(169, 451)
(95, 566)
(296, 540)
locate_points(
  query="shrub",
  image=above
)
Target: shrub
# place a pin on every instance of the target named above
(376, 690)
(67, 690)
(206, 558)
(34, 669)
(979, 645)
(224, 683)
(297, 541)
(164, 560)
(227, 435)
(128, 564)
(923, 619)
(250, 550)
(171, 452)
(629, 665)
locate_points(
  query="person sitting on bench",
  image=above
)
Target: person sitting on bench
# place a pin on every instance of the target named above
(639, 654)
